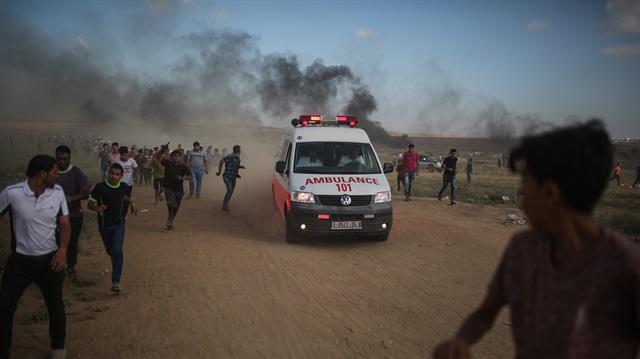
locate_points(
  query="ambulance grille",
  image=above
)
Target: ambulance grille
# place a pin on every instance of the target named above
(331, 200)
(346, 217)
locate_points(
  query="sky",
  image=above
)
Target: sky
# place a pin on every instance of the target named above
(461, 68)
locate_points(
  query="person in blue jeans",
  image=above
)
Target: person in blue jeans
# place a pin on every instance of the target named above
(410, 169)
(449, 175)
(108, 198)
(197, 163)
(231, 167)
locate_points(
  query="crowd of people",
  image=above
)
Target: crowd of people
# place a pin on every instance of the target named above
(47, 217)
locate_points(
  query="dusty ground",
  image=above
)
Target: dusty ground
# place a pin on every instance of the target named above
(226, 285)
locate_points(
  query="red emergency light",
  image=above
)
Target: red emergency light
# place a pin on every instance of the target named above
(306, 120)
(351, 120)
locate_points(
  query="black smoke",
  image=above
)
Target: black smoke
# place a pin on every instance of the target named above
(219, 77)
(216, 77)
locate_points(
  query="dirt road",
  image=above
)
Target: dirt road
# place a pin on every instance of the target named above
(226, 285)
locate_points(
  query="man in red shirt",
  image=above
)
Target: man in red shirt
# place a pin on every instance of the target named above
(616, 173)
(410, 168)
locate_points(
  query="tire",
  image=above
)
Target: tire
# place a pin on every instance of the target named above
(291, 236)
(381, 237)
(431, 168)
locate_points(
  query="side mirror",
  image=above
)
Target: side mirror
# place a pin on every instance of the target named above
(280, 166)
(387, 167)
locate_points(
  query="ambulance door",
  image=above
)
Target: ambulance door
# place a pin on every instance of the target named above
(281, 186)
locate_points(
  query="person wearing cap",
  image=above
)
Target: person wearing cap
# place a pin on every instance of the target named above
(197, 162)
(231, 167)
(449, 175)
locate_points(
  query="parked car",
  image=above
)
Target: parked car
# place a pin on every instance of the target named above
(430, 163)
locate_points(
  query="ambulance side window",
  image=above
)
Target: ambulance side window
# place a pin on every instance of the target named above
(287, 157)
(283, 150)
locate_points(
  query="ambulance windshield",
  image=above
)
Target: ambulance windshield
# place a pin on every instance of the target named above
(335, 158)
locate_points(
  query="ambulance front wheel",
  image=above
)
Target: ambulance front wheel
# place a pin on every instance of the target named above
(291, 236)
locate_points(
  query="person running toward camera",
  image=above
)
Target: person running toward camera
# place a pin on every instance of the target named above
(231, 167)
(174, 174)
(108, 199)
(115, 153)
(76, 187)
(449, 175)
(37, 207)
(158, 175)
(130, 174)
(572, 286)
(197, 162)
(103, 158)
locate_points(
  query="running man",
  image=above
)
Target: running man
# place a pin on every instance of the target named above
(174, 173)
(108, 199)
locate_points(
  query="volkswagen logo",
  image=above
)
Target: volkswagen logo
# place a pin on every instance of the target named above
(345, 200)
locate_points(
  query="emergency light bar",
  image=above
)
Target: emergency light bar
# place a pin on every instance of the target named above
(305, 120)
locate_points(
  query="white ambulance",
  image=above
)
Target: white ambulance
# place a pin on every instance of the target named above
(328, 180)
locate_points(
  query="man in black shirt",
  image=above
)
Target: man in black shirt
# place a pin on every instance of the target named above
(76, 187)
(449, 175)
(174, 173)
(108, 199)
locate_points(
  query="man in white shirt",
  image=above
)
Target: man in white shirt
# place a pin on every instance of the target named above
(310, 161)
(129, 175)
(37, 208)
(352, 157)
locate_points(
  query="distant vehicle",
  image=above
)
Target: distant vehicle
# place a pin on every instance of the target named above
(430, 163)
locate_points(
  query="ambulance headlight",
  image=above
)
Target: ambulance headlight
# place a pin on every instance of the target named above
(382, 197)
(302, 197)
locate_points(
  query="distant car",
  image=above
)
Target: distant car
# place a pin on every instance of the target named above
(430, 163)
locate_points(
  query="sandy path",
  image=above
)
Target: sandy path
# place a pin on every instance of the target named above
(227, 285)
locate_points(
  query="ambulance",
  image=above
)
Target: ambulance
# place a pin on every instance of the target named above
(328, 180)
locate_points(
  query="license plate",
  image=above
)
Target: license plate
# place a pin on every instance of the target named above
(346, 225)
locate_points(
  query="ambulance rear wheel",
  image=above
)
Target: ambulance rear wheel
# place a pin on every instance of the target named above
(381, 237)
(291, 236)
